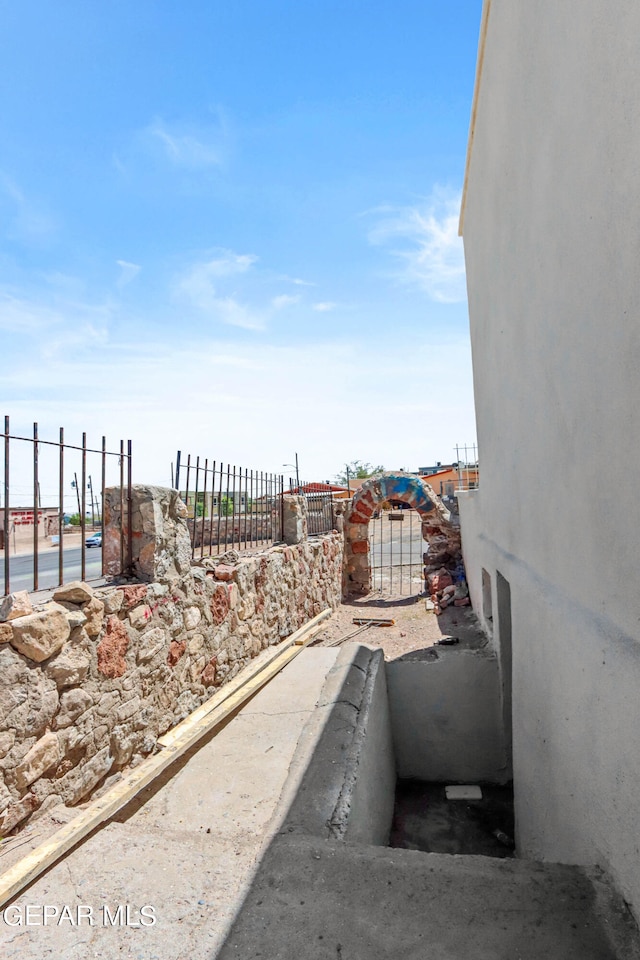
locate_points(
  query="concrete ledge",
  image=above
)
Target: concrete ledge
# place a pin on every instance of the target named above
(342, 780)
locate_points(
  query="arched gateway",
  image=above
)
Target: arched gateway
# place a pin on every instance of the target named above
(386, 488)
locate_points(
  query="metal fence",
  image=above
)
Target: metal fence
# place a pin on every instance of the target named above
(228, 506)
(232, 507)
(396, 549)
(44, 470)
(320, 506)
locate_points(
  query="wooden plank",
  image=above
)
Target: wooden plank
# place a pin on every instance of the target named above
(375, 621)
(13, 880)
(243, 677)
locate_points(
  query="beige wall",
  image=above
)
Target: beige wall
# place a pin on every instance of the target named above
(552, 249)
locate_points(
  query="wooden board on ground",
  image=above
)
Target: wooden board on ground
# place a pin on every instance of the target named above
(300, 637)
(175, 743)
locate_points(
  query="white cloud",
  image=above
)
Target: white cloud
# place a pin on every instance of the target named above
(325, 306)
(128, 272)
(431, 251)
(55, 327)
(190, 145)
(199, 286)
(24, 221)
(18, 315)
(226, 401)
(284, 300)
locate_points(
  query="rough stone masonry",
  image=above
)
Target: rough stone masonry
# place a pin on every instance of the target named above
(90, 679)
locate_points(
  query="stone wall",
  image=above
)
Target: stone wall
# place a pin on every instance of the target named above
(90, 679)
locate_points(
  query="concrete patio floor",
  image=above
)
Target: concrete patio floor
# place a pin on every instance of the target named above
(187, 846)
(235, 852)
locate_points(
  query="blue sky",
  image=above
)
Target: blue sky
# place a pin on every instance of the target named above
(231, 227)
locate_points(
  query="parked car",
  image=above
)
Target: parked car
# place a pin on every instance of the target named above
(95, 540)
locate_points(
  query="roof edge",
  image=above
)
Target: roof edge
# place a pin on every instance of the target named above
(484, 23)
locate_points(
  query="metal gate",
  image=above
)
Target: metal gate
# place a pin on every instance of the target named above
(395, 553)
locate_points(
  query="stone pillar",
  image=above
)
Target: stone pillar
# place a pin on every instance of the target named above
(357, 569)
(294, 510)
(160, 536)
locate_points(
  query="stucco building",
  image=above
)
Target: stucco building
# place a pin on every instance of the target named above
(551, 227)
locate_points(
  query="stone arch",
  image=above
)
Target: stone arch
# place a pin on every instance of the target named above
(375, 491)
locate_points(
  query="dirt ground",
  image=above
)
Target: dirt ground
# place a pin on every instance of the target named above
(415, 631)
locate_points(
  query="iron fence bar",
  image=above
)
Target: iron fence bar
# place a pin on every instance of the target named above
(250, 505)
(204, 507)
(410, 552)
(379, 530)
(281, 531)
(233, 511)
(194, 539)
(177, 477)
(274, 508)
(83, 513)
(226, 509)
(122, 505)
(186, 494)
(58, 511)
(7, 578)
(391, 561)
(246, 504)
(56, 443)
(255, 504)
(241, 501)
(103, 483)
(251, 508)
(129, 512)
(401, 553)
(213, 497)
(220, 503)
(267, 516)
(35, 506)
(186, 491)
(61, 509)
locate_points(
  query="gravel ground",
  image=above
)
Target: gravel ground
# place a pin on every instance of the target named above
(415, 631)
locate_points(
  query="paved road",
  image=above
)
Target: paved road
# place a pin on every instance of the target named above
(21, 571)
(396, 548)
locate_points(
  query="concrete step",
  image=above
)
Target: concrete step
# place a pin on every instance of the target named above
(323, 899)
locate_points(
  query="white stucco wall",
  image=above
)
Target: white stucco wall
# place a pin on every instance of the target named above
(552, 247)
(445, 718)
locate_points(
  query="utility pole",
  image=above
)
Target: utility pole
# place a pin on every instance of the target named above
(459, 468)
(77, 489)
(93, 516)
(297, 472)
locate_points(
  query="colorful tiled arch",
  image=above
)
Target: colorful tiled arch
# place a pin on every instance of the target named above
(391, 486)
(383, 488)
